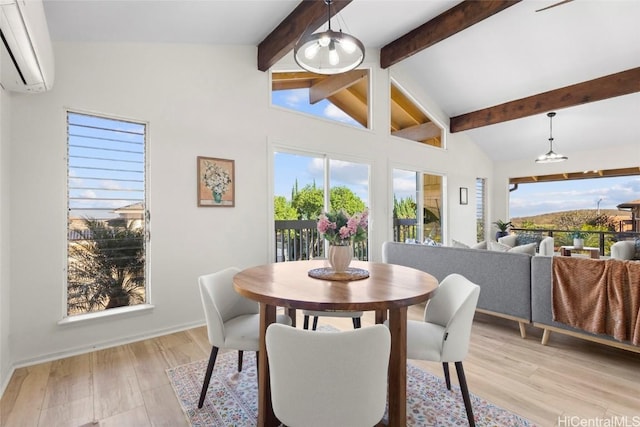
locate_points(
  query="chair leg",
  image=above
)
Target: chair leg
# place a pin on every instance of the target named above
(447, 378)
(356, 323)
(465, 394)
(207, 376)
(240, 360)
(306, 322)
(258, 366)
(315, 322)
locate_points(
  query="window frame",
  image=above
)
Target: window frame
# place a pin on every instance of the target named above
(369, 126)
(326, 157)
(420, 205)
(116, 311)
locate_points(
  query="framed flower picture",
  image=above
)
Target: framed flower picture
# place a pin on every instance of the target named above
(216, 182)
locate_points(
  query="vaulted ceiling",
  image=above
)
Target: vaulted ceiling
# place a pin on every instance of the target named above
(495, 68)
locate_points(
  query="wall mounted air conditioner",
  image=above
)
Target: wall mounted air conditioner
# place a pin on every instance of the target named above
(26, 54)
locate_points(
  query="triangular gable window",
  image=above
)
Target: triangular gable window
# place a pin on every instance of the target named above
(341, 97)
(409, 121)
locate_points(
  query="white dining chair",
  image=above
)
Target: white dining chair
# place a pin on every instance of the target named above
(355, 316)
(233, 321)
(444, 334)
(328, 378)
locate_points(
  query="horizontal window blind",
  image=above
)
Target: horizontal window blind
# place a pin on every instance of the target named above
(106, 213)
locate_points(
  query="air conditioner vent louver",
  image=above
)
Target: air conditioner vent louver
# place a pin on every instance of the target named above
(26, 54)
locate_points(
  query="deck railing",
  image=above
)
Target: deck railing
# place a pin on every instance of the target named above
(597, 239)
(299, 240)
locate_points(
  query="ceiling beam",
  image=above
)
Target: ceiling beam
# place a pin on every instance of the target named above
(309, 15)
(326, 87)
(451, 22)
(610, 86)
(419, 132)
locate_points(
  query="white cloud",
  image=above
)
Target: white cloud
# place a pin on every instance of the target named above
(334, 113)
(88, 194)
(111, 185)
(296, 98)
(538, 198)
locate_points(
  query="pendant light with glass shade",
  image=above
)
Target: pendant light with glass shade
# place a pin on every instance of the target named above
(551, 156)
(328, 52)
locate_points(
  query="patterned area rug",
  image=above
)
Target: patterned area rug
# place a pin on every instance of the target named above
(232, 398)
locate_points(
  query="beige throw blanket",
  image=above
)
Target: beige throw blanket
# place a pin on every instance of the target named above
(598, 296)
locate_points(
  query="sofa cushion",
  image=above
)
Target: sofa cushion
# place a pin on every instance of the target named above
(480, 245)
(529, 237)
(456, 244)
(637, 249)
(509, 240)
(498, 247)
(529, 248)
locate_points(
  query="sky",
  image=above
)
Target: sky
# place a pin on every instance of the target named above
(558, 196)
(106, 165)
(307, 170)
(527, 200)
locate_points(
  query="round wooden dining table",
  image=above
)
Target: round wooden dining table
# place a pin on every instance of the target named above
(388, 288)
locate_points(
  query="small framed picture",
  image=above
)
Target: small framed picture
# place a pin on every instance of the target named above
(216, 182)
(464, 196)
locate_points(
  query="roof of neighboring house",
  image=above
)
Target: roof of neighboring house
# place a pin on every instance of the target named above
(627, 205)
(134, 207)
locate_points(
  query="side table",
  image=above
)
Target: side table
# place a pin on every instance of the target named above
(594, 253)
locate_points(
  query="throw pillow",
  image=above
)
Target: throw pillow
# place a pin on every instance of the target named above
(456, 244)
(497, 247)
(430, 242)
(509, 240)
(480, 245)
(531, 237)
(529, 248)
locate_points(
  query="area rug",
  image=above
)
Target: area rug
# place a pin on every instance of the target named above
(232, 397)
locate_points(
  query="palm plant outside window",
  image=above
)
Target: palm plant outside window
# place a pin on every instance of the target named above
(107, 216)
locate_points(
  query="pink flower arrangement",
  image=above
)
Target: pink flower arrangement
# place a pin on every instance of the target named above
(340, 229)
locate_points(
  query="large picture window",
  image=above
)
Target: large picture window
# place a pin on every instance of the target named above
(417, 207)
(305, 186)
(106, 242)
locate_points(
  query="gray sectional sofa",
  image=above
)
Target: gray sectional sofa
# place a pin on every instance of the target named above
(514, 286)
(504, 277)
(542, 315)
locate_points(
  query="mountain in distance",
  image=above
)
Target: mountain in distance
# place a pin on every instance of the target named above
(547, 220)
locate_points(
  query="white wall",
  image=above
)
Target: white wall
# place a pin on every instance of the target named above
(197, 100)
(626, 156)
(5, 350)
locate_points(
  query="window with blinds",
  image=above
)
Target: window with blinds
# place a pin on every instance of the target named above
(107, 216)
(481, 209)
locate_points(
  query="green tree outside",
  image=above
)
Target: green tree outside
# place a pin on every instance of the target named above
(106, 270)
(283, 210)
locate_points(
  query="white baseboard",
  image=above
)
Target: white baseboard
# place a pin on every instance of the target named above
(93, 347)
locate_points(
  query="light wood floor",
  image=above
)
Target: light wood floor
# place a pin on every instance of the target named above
(127, 385)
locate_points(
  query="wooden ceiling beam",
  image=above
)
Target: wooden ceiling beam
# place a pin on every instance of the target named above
(419, 132)
(308, 16)
(618, 84)
(323, 89)
(356, 111)
(399, 99)
(606, 173)
(290, 84)
(451, 22)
